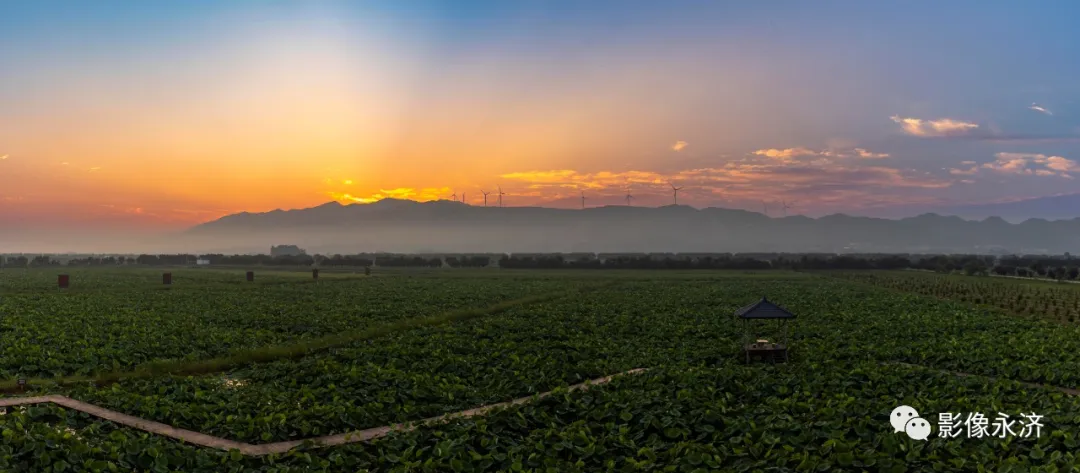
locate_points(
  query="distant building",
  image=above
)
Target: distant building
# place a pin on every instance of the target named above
(286, 250)
(202, 262)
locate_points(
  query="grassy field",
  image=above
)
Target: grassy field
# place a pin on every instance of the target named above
(430, 342)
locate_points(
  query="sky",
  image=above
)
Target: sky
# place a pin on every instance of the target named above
(161, 115)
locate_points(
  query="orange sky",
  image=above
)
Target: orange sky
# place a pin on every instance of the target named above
(288, 109)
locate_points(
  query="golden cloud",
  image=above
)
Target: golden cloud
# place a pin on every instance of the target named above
(679, 146)
(862, 153)
(785, 153)
(791, 153)
(818, 181)
(1030, 164)
(419, 195)
(939, 127)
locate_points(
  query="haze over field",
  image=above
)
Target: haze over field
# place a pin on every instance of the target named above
(125, 123)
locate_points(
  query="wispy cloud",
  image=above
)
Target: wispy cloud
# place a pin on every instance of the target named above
(937, 127)
(947, 128)
(819, 182)
(1040, 109)
(1025, 139)
(3, 157)
(964, 172)
(419, 195)
(1024, 164)
(862, 153)
(786, 153)
(95, 168)
(679, 146)
(791, 153)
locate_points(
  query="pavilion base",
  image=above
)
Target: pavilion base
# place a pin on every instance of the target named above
(774, 355)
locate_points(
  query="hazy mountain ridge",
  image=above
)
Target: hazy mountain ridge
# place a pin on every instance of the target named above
(1054, 207)
(447, 226)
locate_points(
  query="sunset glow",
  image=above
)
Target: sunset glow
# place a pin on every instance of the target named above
(215, 108)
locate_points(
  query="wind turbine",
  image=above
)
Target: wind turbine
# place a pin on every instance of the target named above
(454, 196)
(765, 206)
(628, 197)
(500, 195)
(582, 199)
(786, 205)
(485, 197)
(463, 198)
(676, 190)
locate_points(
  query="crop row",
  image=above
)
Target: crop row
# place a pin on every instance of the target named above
(678, 418)
(697, 409)
(1058, 302)
(428, 371)
(55, 334)
(537, 347)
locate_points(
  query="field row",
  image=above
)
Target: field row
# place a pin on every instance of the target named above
(1052, 301)
(697, 407)
(55, 334)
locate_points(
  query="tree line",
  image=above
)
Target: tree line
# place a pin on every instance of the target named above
(1063, 267)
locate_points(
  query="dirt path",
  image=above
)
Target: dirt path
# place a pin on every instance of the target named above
(204, 440)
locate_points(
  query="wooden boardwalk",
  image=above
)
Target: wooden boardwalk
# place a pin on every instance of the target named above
(204, 440)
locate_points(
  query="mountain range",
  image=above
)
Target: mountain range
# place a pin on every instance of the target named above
(405, 226)
(1055, 207)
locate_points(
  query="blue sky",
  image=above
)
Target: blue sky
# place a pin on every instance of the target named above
(844, 106)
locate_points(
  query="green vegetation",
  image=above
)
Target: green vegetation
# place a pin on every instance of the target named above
(120, 324)
(1052, 301)
(696, 409)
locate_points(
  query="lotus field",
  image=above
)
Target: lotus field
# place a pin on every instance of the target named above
(288, 358)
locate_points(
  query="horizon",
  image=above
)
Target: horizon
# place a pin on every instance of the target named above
(660, 206)
(174, 114)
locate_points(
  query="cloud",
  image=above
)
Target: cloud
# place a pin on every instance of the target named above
(862, 153)
(1040, 109)
(679, 146)
(95, 168)
(1025, 164)
(938, 127)
(969, 163)
(791, 153)
(1030, 139)
(820, 183)
(787, 153)
(964, 172)
(419, 195)
(957, 129)
(3, 157)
